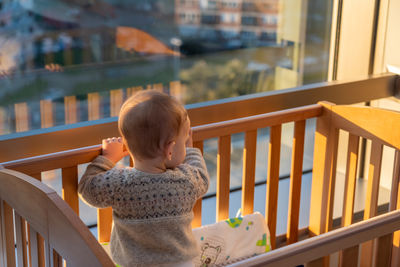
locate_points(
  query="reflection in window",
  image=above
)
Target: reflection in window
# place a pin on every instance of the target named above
(84, 56)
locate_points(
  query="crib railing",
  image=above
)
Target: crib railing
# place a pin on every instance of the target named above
(378, 126)
(381, 129)
(69, 160)
(249, 125)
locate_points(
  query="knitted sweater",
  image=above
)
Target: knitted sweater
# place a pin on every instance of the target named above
(152, 213)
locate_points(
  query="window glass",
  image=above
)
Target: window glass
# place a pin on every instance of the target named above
(68, 61)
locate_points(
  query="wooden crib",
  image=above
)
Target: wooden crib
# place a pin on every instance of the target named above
(369, 243)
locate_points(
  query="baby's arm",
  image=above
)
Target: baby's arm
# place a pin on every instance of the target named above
(196, 162)
(97, 183)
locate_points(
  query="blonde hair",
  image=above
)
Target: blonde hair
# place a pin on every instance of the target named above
(148, 120)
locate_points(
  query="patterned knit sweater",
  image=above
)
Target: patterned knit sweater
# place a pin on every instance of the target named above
(152, 213)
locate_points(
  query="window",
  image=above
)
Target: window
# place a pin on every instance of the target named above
(209, 19)
(60, 57)
(249, 21)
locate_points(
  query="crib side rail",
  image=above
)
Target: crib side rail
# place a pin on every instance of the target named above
(380, 129)
(313, 248)
(46, 230)
(68, 161)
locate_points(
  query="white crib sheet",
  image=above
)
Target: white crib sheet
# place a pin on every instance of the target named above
(231, 240)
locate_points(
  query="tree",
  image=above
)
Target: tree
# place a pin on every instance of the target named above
(206, 81)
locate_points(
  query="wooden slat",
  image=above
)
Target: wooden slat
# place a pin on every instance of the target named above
(70, 187)
(93, 100)
(47, 253)
(37, 243)
(116, 100)
(271, 203)
(46, 113)
(41, 251)
(383, 251)
(395, 204)
(176, 90)
(32, 237)
(159, 87)
(34, 260)
(132, 90)
(394, 192)
(350, 180)
(349, 257)
(371, 202)
(196, 222)
(56, 259)
(104, 223)
(70, 109)
(199, 145)
(24, 241)
(323, 180)
(28, 233)
(20, 245)
(296, 173)
(9, 234)
(52, 258)
(223, 177)
(384, 244)
(249, 171)
(129, 92)
(21, 117)
(332, 181)
(324, 164)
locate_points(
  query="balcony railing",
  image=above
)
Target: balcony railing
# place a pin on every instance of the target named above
(18, 117)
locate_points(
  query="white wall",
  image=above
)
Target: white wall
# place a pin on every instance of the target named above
(388, 52)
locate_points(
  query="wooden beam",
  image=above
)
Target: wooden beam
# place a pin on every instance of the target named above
(223, 177)
(296, 173)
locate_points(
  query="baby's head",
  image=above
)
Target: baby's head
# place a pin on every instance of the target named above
(154, 124)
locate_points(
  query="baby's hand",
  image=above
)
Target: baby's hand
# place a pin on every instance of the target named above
(113, 149)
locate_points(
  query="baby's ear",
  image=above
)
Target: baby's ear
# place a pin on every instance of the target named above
(169, 149)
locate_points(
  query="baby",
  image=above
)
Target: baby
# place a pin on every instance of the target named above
(153, 201)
